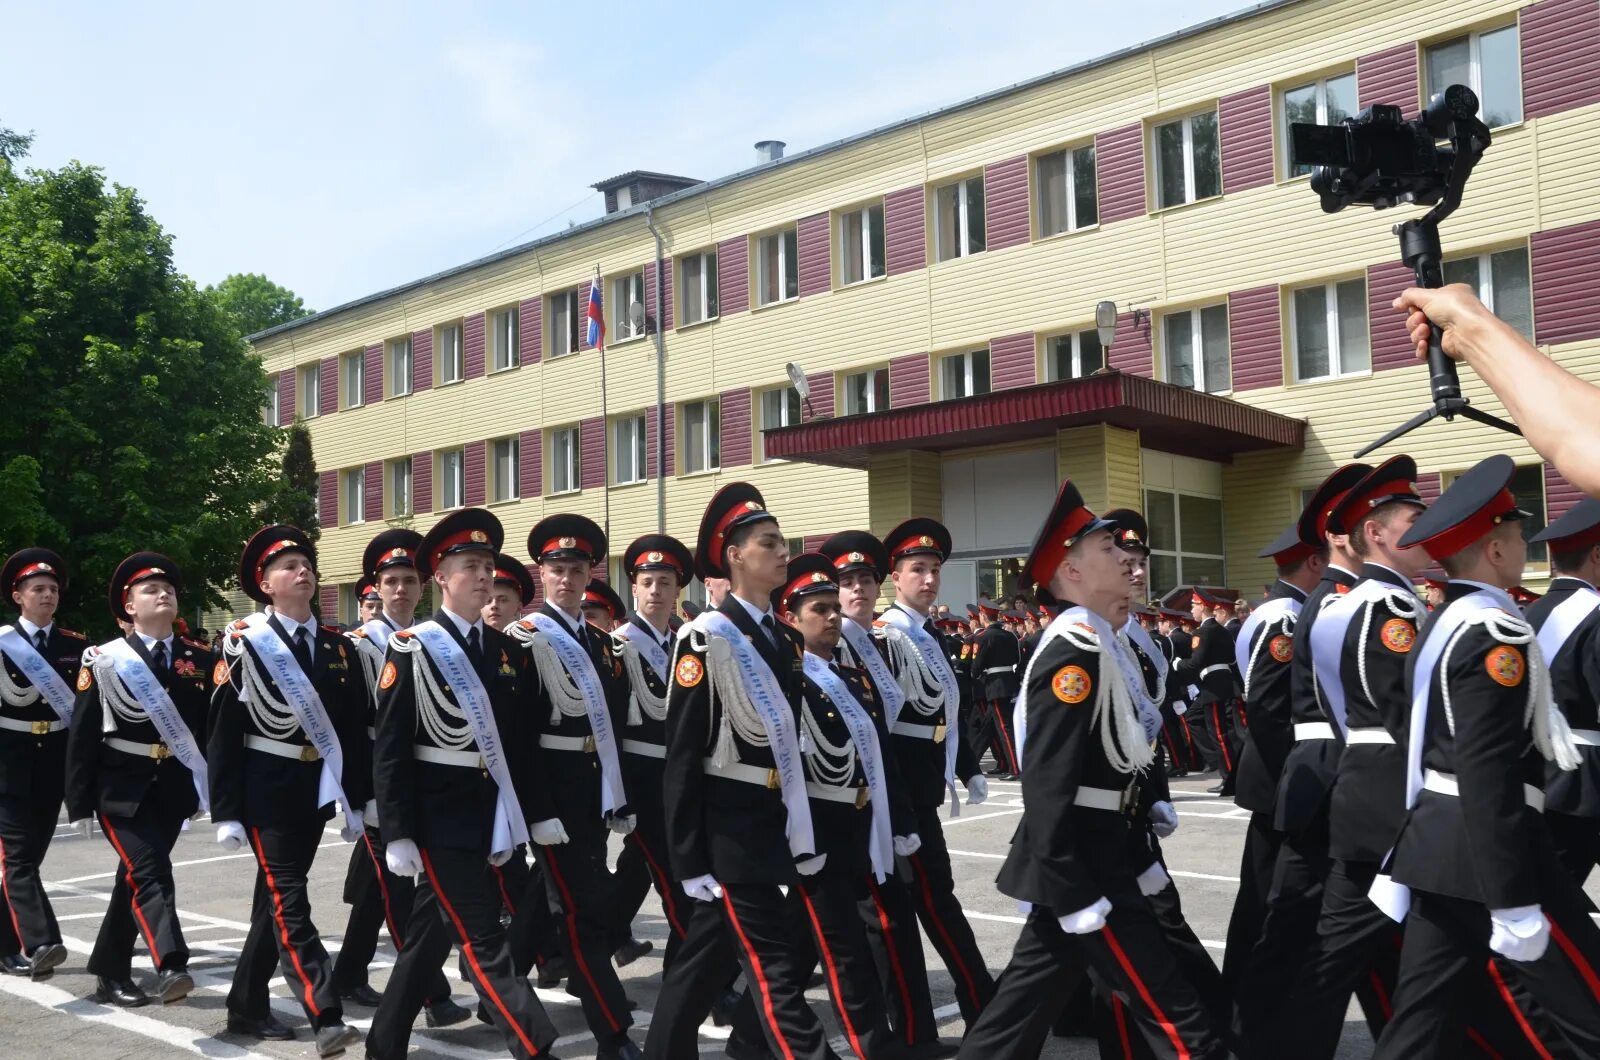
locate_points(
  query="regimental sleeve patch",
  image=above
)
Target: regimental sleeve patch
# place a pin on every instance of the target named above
(85, 679)
(219, 672)
(1281, 648)
(1071, 685)
(389, 675)
(1194, 643)
(1398, 635)
(1506, 666)
(690, 671)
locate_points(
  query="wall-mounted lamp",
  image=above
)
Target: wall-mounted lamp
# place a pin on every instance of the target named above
(1105, 320)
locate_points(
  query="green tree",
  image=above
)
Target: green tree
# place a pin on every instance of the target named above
(133, 414)
(295, 500)
(256, 303)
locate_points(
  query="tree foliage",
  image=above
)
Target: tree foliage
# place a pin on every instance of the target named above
(133, 413)
(295, 500)
(256, 303)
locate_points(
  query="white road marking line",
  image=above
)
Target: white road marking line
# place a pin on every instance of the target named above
(948, 821)
(977, 854)
(1202, 876)
(176, 864)
(996, 917)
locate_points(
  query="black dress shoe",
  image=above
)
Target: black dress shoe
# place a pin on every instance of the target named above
(361, 995)
(45, 959)
(174, 984)
(631, 951)
(621, 1049)
(446, 1013)
(483, 1014)
(1215, 789)
(723, 1008)
(736, 1049)
(268, 1030)
(16, 964)
(335, 1038)
(123, 993)
(552, 972)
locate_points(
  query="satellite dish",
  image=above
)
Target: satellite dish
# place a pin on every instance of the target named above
(636, 316)
(802, 385)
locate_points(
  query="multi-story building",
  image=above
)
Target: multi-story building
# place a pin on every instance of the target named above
(936, 281)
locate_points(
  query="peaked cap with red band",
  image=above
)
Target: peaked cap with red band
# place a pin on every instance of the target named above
(507, 571)
(265, 545)
(464, 530)
(853, 550)
(917, 537)
(1068, 523)
(367, 589)
(600, 594)
(736, 504)
(1287, 549)
(1394, 480)
(1476, 502)
(1523, 595)
(140, 567)
(392, 548)
(809, 573)
(1129, 530)
(1577, 529)
(30, 563)
(566, 536)
(1216, 596)
(1313, 522)
(659, 552)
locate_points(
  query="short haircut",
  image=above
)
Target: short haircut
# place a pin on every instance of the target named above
(1358, 533)
(742, 533)
(1569, 560)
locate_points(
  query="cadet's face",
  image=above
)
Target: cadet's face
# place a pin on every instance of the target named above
(858, 592)
(400, 589)
(716, 591)
(762, 561)
(1197, 609)
(1137, 574)
(1096, 575)
(817, 618)
(37, 598)
(466, 579)
(916, 580)
(289, 580)
(564, 581)
(504, 603)
(152, 602)
(654, 593)
(369, 610)
(1435, 595)
(598, 616)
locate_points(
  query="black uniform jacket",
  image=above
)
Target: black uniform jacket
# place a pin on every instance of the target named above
(112, 781)
(921, 761)
(1369, 794)
(256, 788)
(1270, 733)
(1309, 769)
(729, 829)
(1144, 849)
(439, 806)
(1575, 680)
(1212, 647)
(999, 650)
(642, 773)
(1486, 845)
(22, 754)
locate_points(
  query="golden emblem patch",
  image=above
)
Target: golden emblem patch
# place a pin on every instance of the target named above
(1398, 635)
(1281, 648)
(85, 679)
(690, 671)
(1194, 643)
(387, 678)
(219, 673)
(1071, 684)
(1506, 666)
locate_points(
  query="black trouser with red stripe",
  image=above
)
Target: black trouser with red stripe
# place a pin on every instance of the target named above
(281, 927)
(27, 825)
(378, 898)
(457, 903)
(641, 865)
(1128, 956)
(578, 883)
(930, 887)
(535, 935)
(144, 898)
(1001, 741)
(897, 953)
(749, 924)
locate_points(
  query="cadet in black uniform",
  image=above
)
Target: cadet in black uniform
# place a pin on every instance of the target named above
(996, 674)
(289, 694)
(1474, 849)
(454, 779)
(1080, 779)
(38, 659)
(1209, 667)
(137, 728)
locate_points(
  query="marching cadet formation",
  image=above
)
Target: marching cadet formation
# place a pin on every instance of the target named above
(1414, 736)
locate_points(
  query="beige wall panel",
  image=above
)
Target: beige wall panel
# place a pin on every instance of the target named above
(1124, 469)
(1569, 182)
(1081, 457)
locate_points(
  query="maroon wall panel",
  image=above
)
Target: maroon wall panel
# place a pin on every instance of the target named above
(530, 447)
(1559, 494)
(421, 360)
(286, 392)
(1119, 173)
(672, 440)
(909, 381)
(372, 491)
(592, 452)
(735, 435)
(422, 483)
(650, 435)
(905, 245)
(813, 249)
(373, 367)
(733, 276)
(1566, 299)
(472, 345)
(1246, 120)
(1012, 361)
(1428, 486)
(1255, 340)
(473, 459)
(328, 498)
(328, 603)
(328, 386)
(1005, 203)
(1132, 351)
(814, 541)
(538, 590)
(660, 316)
(821, 396)
(530, 329)
(1389, 76)
(1560, 56)
(1390, 347)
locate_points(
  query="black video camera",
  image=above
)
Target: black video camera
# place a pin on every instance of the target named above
(1379, 159)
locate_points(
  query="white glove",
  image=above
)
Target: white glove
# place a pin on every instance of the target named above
(402, 857)
(703, 888)
(230, 834)
(977, 789)
(1086, 921)
(1519, 934)
(348, 834)
(85, 827)
(621, 823)
(811, 866)
(549, 833)
(907, 845)
(500, 859)
(1154, 880)
(1180, 708)
(1163, 819)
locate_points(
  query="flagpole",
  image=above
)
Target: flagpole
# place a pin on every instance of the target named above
(604, 422)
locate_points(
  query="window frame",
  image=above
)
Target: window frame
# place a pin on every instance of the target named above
(511, 344)
(574, 464)
(514, 455)
(871, 390)
(1474, 38)
(963, 189)
(400, 496)
(1070, 185)
(1532, 568)
(309, 395)
(865, 212)
(621, 327)
(787, 270)
(1179, 553)
(637, 448)
(1330, 289)
(1282, 122)
(1187, 121)
(969, 383)
(458, 480)
(1486, 286)
(707, 284)
(353, 487)
(785, 407)
(574, 334)
(1197, 336)
(272, 406)
(713, 437)
(354, 393)
(397, 353)
(442, 358)
(1075, 337)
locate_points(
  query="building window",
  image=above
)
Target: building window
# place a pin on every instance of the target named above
(779, 408)
(400, 486)
(506, 335)
(1074, 356)
(958, 219)
(1325, 102)
(1500, 281)
(505, 469)
(269, 408)
(563, 323)
(452, 480)
(400, 367)
(354, 371)
(448, 367)
(866, 391)
(566, 472)
(1329, 326)
(777, 262)
(697, 280)
(310, 390)
(1527, 486)
(1064, 182)
(1188, 164)
(631, 449)
(702, 436)
(1489, 63)
(355, 495)
(1196, 343)
(964, 374)
(861, 244)
(626, 292)
(1186, 542)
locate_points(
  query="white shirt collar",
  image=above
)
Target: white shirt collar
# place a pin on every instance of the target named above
(290, 625)
(462, 624)
(912, 611)
(386, 619)
(757, 614)
(573, 624)
(31, 630)
(150, 642)
(1572, 578)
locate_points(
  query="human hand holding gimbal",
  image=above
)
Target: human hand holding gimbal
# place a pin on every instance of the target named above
(1465, 321)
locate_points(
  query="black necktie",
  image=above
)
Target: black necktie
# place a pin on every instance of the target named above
(771, 627)
(158, 657)
(40, 640)
(581, 635)
(836, 671)
(302, 648)
(927, 627)
(474, 646)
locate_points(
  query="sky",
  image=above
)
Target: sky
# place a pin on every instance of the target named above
(345, 148)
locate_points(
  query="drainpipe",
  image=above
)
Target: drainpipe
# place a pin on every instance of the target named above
(661, 381)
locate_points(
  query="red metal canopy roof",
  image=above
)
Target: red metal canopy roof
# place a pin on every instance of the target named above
(1169, 418)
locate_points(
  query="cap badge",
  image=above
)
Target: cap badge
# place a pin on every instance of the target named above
(751, 506)
(401, 553)
(856, 557)
(567, 542)
(925, 541)
(479, 537)
(44, 568)
(157, 570)
(818, 576)
(653, 557)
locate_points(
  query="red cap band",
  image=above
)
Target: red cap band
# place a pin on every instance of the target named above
(806, 581)
(465, 537)
(1054, 549)
(34, 568)
(719, 536)
(271, 552)
(1475, 526)
(567, 544)
(393, 554)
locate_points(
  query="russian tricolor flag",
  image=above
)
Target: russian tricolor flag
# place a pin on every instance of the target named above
(596, 315)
